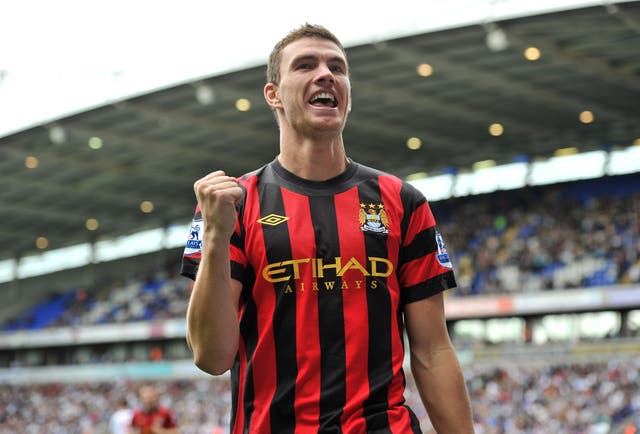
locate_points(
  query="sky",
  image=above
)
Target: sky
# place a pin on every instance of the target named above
(60, 57)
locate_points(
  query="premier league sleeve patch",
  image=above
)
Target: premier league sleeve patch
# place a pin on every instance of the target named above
(194, 243)
(442, 255)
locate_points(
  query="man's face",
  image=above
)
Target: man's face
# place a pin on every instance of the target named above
(149, 397)
(314, 93)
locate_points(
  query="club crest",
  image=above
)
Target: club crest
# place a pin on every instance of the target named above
(373, 218)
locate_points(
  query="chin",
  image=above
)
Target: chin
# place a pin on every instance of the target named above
(329, 122)
(329, 128)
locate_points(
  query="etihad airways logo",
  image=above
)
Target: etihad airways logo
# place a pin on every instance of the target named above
(292, 269)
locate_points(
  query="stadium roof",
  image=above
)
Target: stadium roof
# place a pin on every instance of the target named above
(103, 163)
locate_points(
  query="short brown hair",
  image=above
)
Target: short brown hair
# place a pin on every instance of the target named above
(305, 31)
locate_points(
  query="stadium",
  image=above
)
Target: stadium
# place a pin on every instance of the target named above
(518, 122)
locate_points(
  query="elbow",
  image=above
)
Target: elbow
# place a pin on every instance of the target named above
(214, 365)
(428, 360)
(212, 355)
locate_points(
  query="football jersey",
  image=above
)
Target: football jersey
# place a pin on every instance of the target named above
(145, 421)
(326, 268)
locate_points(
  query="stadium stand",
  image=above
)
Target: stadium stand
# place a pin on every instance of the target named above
(595, 398)
(563, 387)
(576, 235)
(581, 234)
(73, 343)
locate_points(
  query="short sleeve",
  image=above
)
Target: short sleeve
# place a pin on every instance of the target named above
(425, 267)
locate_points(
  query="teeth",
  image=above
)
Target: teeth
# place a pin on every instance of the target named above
(323, 95)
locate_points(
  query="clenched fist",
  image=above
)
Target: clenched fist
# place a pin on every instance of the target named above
(217, 196)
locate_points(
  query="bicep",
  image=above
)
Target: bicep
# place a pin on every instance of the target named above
(426, 324)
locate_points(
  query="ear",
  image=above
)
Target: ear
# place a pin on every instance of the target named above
(271, 96)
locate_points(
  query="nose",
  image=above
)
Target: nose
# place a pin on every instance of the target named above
(324, 74)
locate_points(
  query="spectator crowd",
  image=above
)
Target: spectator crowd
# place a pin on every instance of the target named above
(541, 239)
(533, 239)
(595, 398)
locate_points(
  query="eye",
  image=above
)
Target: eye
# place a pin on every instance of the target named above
(336, 68)
(304, 66)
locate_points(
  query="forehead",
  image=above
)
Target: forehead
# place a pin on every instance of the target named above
(147, 391)
(311, 47)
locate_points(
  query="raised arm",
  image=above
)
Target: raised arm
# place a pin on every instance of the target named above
(212, 315)
(435, 367)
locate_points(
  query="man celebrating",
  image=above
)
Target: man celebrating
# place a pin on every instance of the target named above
(312, 267)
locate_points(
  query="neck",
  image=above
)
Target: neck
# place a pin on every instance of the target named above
(313, 159)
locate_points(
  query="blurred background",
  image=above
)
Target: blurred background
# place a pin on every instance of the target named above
(520, 123)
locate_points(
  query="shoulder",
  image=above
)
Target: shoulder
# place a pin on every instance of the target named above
(406, 190)
(165, 412)
(135, 416)
(254, 174)
(368, 171)
(364, 171)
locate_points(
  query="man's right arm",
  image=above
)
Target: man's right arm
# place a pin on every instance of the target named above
(212, 316)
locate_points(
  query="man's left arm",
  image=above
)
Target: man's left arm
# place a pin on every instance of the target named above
(435, 367)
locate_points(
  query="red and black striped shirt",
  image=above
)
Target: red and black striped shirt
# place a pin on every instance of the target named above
(326, 268)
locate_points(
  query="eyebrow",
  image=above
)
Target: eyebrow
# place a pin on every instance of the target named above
(301, 58)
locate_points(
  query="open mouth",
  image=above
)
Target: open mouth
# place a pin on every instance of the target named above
(323, 99)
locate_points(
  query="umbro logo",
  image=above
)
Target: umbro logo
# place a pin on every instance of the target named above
(272, 219)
